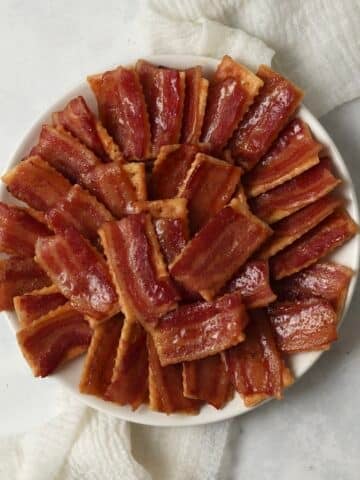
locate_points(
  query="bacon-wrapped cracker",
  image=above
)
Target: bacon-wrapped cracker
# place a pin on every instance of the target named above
(208, 187)
(80, 273)
(303, 325)
(164, 91)
(79, 120)
(100, 358)
(203, 266)
(295, 194)
(200, 329)
(294, 151)
(31, 306)
(122, 110)
(36, 183)
(137, 175)
(331, 233)
(166, 386)
(256, 367)
(54, 339)
(129, 381)
(139, 273)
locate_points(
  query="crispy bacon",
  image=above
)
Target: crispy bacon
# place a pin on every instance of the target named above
(36, 183)
(166, 387)
(31, 306)
(196, 90)
(303, 325)
(164, 91)
(129, 382)
(137, 175)
(55, 338)
(256, 368)
(100, 359)
(294, 151)
(277, 101)
(295, 194)
(202, 265)
(142, 282)
(122, 110)
(18, 276)
(80, 273)
(290, 228)
(200, 329)
(333, 232)
(207, 379)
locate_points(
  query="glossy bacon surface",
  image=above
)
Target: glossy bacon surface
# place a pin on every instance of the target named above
(277, 101)
(53, 339)
(202, 265)
(303, 325)
(294, 151)
(200, 329)
(142, 282)
(196, 89)
(333, 232)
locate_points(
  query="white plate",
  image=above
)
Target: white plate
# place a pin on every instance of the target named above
(348, 255)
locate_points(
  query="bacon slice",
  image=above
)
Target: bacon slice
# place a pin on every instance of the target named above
(142, 282)
(165, 386)
(277, 101)
(79, 120)
(295, 194)
(129, 382)
(253, 282)
(18, 276)
(36, 183)
(289, 229)
(164, 90)
(202, 265)
(327, 280)
(256, 368)
(19, 231)
(303, 325)
(122, 110)
(80, 273)
(333, 232)
(200, 329)
(196, 90)
(137, 175)
(54, 339)
(31, 306)
(100, 359)
(208, 380)
(294, 151)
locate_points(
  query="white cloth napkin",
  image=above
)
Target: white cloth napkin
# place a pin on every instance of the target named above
(316, 44)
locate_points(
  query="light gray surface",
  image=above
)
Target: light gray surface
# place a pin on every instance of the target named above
(45, 47)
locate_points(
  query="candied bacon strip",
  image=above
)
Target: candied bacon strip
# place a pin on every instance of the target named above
(294, 151)
(122, 110)
(200, 329)
(196, 90)
(331, 233)
(80, 273)
(166, 386)
(129, 381)
(295, 194)
(137, 175)
(133, 253)
(54, 339)
(164, 91)
(100, 358)
(303, 325)
(277, 101)
(203, 266)
(255, 366)
(18, 276)
(31, 306)
(208, 187)
(36, 183)
(290, 228)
